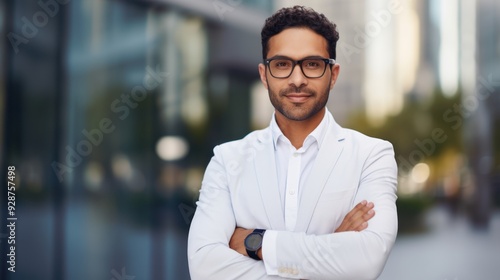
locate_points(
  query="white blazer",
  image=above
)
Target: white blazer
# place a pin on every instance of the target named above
(240, 189)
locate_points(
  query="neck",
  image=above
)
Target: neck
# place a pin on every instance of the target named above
(297, 131)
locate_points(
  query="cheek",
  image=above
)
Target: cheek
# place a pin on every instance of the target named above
(274, 87)
(322, 86)
(326, 84)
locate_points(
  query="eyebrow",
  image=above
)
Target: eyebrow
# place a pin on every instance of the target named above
(287, 57)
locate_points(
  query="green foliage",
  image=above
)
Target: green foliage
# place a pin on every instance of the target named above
(416, 121)
(411, 212)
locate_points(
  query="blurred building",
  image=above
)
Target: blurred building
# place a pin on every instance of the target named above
(480, 111)
(111, 111)
(460, 55)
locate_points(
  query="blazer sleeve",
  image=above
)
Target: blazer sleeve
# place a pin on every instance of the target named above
(348, 255)
(209, 255)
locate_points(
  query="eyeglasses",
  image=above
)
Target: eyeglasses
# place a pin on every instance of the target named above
(282, 68)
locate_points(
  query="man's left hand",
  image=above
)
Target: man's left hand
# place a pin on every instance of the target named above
(357, 219)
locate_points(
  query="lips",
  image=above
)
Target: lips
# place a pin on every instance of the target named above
(298, 98)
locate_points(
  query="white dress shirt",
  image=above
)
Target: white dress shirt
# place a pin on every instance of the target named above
(293, 167)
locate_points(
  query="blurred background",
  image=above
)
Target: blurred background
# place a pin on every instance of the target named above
(110, 110)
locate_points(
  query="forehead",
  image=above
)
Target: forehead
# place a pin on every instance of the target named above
(297, 43)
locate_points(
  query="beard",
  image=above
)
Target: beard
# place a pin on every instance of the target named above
(299, 111)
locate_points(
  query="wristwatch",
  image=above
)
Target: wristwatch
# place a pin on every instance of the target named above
(253, 242)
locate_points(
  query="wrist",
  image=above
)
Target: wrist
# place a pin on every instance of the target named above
(253, 244)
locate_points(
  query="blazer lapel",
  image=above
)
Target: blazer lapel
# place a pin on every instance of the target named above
(328, 155)
(265, 166)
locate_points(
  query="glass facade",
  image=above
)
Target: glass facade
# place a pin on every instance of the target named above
(111, 111)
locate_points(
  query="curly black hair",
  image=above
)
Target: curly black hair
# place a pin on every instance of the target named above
(299, 16)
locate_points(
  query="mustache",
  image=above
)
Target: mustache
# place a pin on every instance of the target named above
(295, 89)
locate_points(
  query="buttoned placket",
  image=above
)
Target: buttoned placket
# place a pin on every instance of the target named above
(292, 188)
(293, 166)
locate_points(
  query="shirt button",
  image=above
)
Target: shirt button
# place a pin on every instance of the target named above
(291, 192)
(295, 154)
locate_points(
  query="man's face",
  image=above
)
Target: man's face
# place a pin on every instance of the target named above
(297, 97)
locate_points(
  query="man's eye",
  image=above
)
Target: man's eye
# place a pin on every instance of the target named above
(312, 64)
(282, 64)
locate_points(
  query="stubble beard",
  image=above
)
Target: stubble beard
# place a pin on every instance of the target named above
(298, 111)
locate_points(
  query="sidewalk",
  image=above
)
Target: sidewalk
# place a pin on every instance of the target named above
(450, 250)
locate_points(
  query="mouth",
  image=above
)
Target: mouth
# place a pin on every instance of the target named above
(298, 98)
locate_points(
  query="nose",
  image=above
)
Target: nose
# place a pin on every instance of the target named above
(297, 78)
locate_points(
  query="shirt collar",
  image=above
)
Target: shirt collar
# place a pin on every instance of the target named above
(318, 134)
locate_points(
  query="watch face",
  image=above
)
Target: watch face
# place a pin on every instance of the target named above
(253, 242)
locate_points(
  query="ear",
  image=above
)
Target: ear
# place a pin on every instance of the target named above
(335, 75)
(262, 73)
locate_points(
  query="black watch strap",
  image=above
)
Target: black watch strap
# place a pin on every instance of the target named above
(253, 254)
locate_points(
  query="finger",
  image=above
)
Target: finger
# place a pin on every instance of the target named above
(358, 212)
(369, 215)
(357, 208)
(360, 216)
(356, 219)
(363, 224)
(365, 216)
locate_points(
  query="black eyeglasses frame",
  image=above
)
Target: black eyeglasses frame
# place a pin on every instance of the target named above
(328, 61)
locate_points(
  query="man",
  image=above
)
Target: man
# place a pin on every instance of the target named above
(290, 201)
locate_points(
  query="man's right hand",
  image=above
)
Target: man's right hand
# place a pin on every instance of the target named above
(357, 218)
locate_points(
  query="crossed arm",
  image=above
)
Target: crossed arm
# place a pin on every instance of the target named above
(220, 259)
(356, 220)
